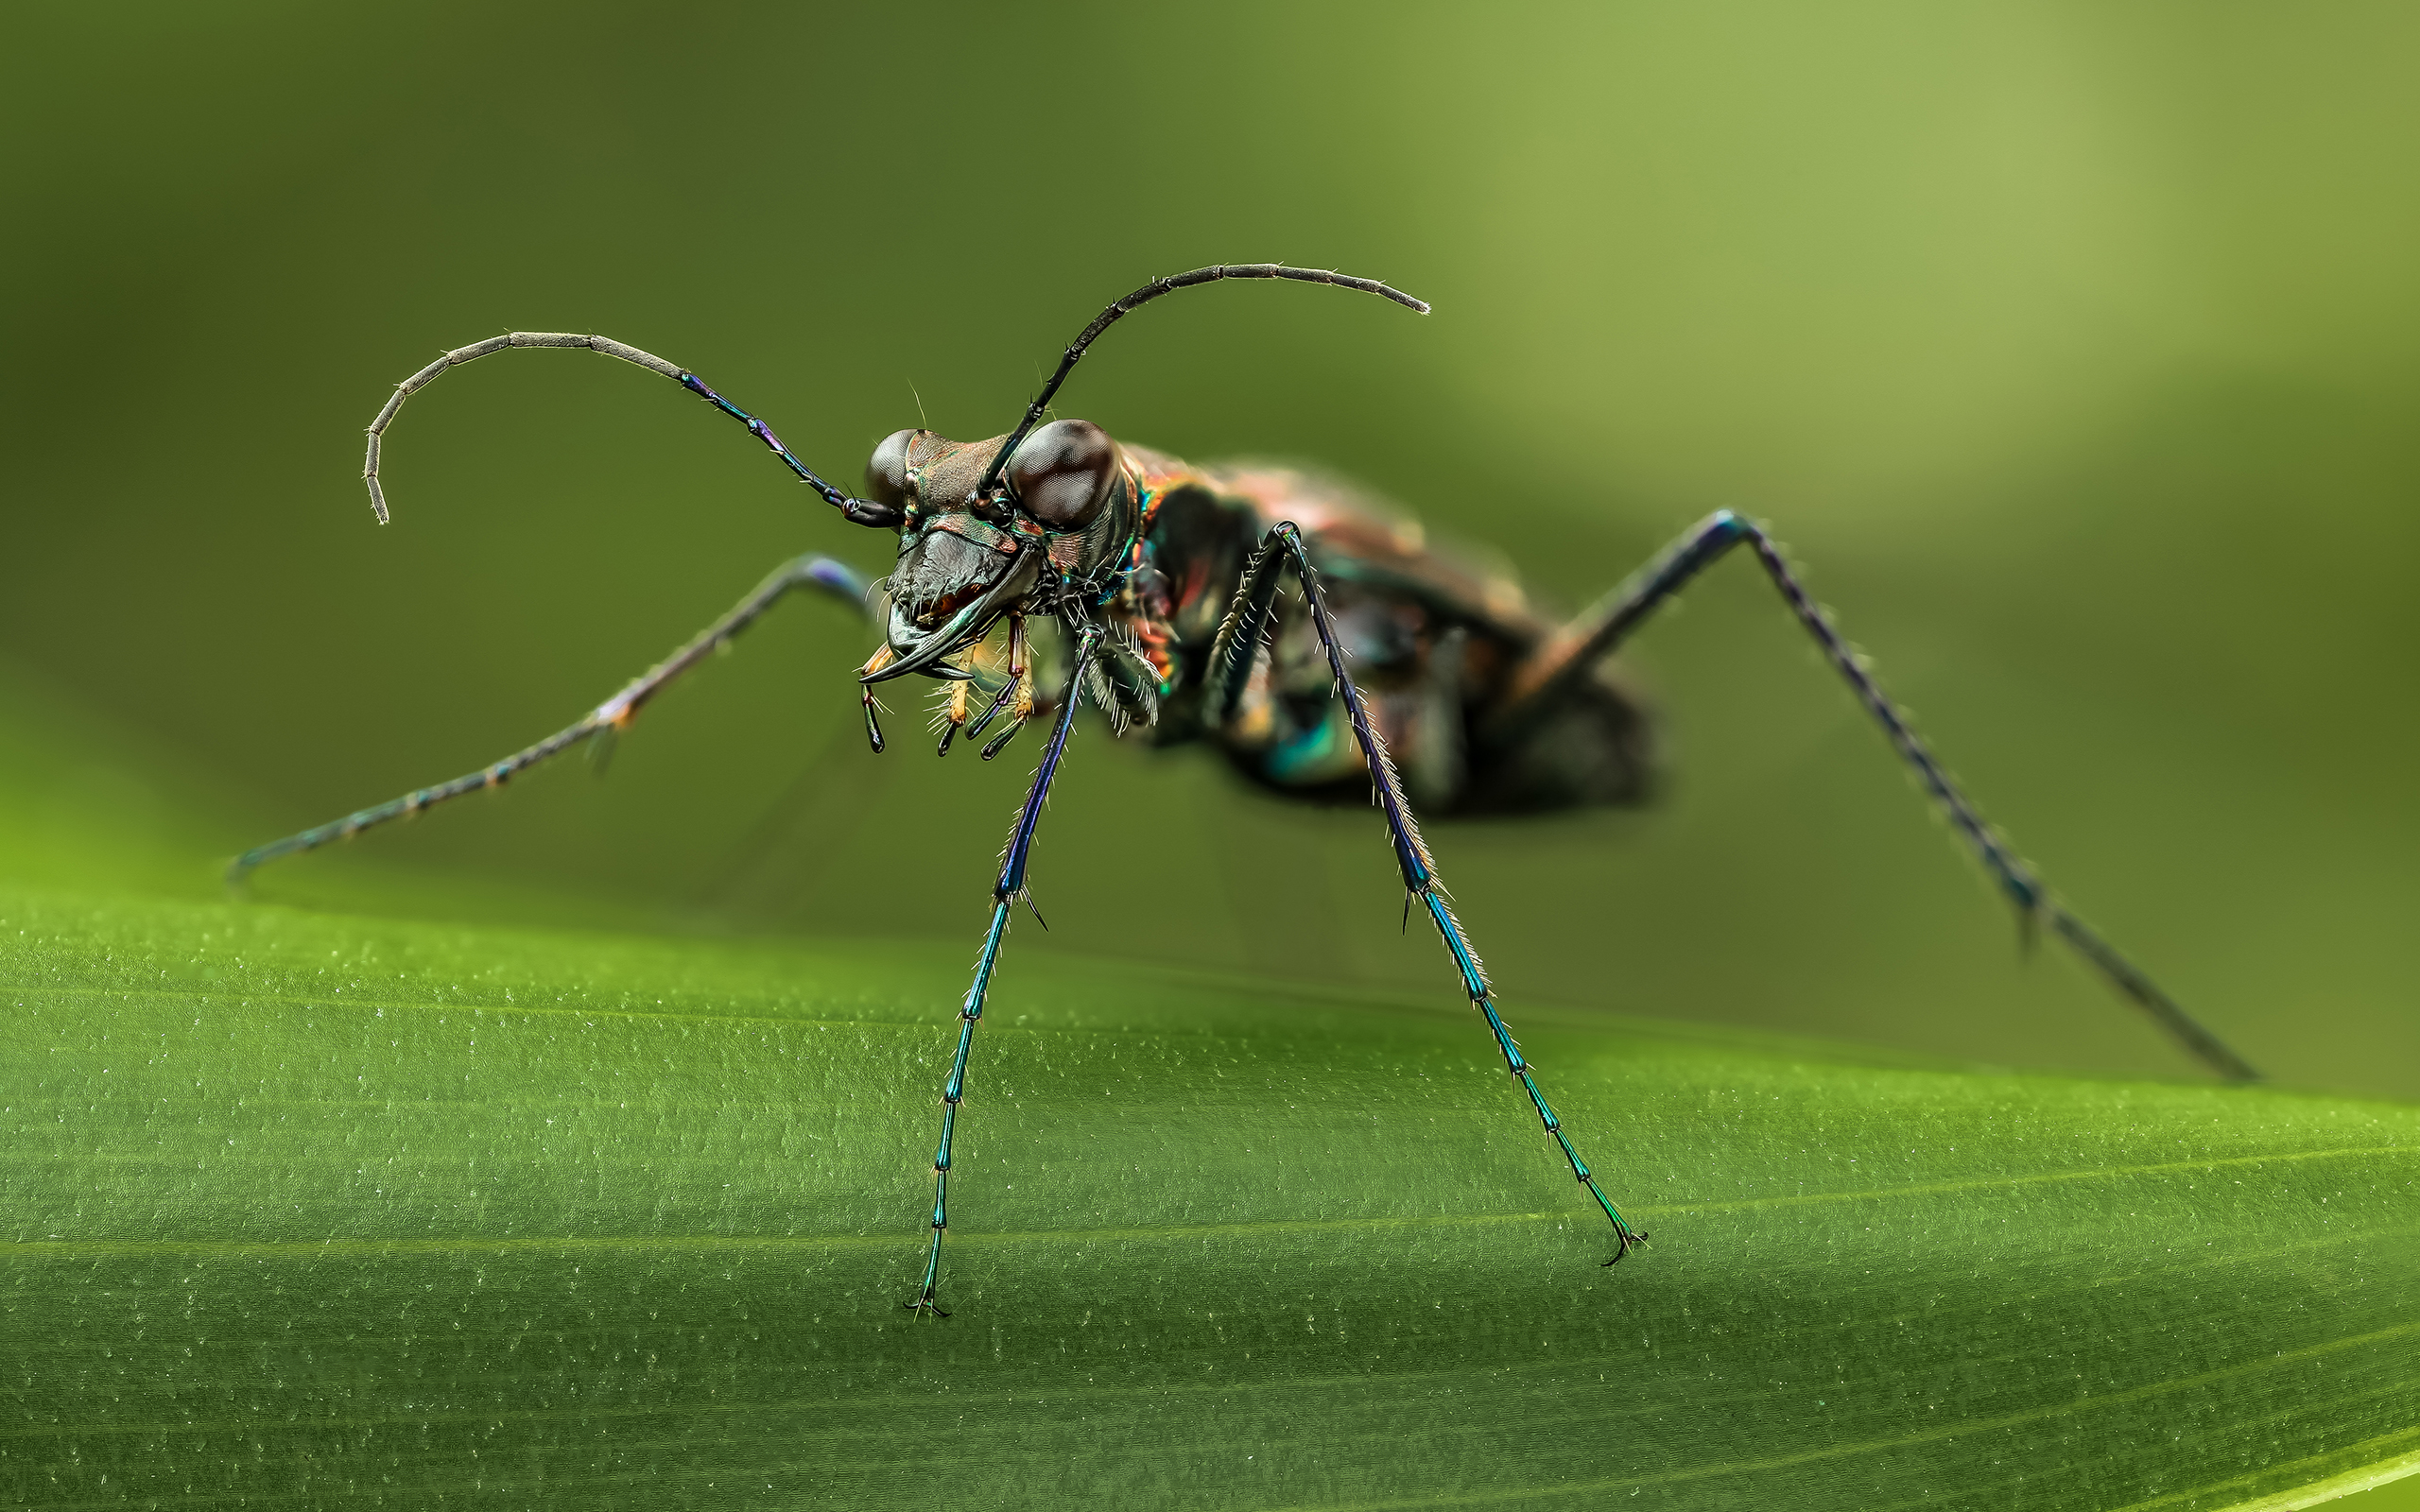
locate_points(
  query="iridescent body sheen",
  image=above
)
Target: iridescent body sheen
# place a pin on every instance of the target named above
(1433, 634)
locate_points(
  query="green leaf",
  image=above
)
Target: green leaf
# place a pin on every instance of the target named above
(310, 1210)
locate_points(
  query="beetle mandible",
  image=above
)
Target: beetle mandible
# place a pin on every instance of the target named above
(1166, 580)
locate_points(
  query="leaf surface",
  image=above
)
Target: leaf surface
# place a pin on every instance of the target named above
(315, 1211)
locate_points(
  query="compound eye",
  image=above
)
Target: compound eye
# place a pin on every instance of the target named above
(1063, 473)
(887, 472)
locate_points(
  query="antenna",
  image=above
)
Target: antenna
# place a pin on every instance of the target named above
(1146, 295)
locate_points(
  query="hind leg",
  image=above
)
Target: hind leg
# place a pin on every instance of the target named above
(1570, 655)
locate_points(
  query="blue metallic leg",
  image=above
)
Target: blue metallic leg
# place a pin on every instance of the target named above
(1573, 652)
(604, 722)
(1230, 661)
(1003, 896)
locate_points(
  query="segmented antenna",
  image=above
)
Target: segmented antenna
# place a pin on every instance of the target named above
(1146, 295)
(860, 511)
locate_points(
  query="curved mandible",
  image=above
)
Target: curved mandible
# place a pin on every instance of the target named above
(1153, 290)
(860, 511)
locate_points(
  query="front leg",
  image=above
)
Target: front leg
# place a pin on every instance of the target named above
(1005, 892)
(1231, 663)
(603, 723)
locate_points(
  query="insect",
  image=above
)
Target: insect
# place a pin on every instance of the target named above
(1393, 670)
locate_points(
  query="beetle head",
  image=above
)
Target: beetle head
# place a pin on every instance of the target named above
(1058, 522)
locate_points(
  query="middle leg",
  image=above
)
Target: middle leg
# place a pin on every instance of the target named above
(1231, 663)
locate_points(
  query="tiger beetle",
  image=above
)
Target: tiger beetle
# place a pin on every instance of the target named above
(1399, 670)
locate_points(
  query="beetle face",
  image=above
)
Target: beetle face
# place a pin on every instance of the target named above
(963, 563)
(958, 570)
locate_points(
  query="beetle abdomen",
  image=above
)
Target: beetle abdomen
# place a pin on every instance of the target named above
(1430, 632)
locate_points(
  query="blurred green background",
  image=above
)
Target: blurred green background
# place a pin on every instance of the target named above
(2071, 346)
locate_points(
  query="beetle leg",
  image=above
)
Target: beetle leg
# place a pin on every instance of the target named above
(1231, 656)
(1005, 892)
(604, 722)
(1568, 655)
